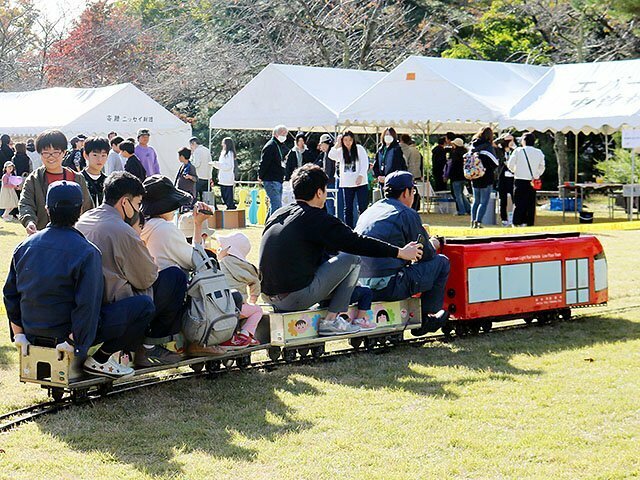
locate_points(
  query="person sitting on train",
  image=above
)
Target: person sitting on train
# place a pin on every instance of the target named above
(54, 289)
(296, 269)
(165, 241)
(129, 269)
(394, 221)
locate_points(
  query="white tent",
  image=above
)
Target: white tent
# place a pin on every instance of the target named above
(586, 97)
(96, 111)
(425, 94)
(305, 98)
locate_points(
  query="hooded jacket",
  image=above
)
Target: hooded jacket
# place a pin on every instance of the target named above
(389, 159)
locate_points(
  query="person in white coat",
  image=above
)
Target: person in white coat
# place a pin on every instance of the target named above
(527, 164)
(353, 165)
(226, 168)
(201, 159)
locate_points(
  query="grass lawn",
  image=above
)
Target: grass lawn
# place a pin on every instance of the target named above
(558, 402)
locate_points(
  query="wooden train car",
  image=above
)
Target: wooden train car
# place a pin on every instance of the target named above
(531, 276)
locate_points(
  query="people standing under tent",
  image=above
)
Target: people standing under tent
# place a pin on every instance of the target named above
(389, 157)
(226, 172)
(36, 159)
(412, 156)
(303, 235)
(112, 135)
(298, 155)
(128, 267)
(438, 163)
(504, 148)
(23, 167)
(456, 176)
(271, 167)
(51, 145)
(132, 163)
(6, 152)
(74, 159)
(353, 164)
(329, 167)
(8, 197)
(114, 160)
(482, 144)
(201, 159)
(146, 153)
(527, 164)
(187, 177)
(95, 151)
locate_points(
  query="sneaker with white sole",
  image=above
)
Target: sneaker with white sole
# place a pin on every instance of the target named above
(110, 368)
(364, 324)
(339, 326)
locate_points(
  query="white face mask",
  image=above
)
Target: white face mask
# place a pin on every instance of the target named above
(388, 139)
(281, 138)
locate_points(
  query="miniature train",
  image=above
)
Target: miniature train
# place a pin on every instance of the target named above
(539, 277)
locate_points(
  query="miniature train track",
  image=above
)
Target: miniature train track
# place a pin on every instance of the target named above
(11, 420)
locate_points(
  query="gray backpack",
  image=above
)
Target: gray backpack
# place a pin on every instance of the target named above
(210, 318)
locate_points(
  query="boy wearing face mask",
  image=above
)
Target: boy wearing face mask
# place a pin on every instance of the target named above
(128, 267)
(389, 157)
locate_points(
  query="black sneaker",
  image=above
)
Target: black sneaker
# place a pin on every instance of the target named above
(431, 323)
(153, 357)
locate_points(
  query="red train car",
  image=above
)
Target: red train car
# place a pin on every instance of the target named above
(531, 277)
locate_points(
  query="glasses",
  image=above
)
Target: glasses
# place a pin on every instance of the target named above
(53, 154)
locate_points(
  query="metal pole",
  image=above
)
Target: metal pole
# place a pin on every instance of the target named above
(575, 176)
(633, 190)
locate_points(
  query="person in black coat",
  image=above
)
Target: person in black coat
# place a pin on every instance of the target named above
(271, 169)
(389, 157)
(22, 161)
(132, 163)
(438, 162)
(6, 152)
(298, 156)
(482, 144)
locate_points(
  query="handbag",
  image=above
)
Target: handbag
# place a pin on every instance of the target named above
(536, 183)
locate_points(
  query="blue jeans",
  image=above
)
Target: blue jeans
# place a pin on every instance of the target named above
(462, 204)
(481, 198)
(361, 194)
(274, 192)
(332, 199)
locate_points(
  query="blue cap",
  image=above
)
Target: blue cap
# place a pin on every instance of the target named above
(399, 180)
(64, 193)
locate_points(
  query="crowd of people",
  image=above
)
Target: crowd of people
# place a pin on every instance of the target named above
(106, 236)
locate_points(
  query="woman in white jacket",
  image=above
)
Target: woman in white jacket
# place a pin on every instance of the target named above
(353, 165)
(226, 176)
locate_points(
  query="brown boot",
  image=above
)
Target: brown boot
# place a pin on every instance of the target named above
(197, 350)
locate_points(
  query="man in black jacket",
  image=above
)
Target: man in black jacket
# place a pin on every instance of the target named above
(271, 169)
(132, 163)
(294, 254)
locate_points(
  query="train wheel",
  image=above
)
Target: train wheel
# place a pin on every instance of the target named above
(303, 352)
(104, 389)
(243, 362)
(474, 328)
(447, 330)
(486, 326)
(212, 366)
(196, 367)
(369, 343)
(274, 353)
(318, 351)
(462, 330)
(289, 354)
(528, 320)
(80, 395)
(228, 363)
(396, 339)
(355, 342)
(543, 319)
(56, 394)
(566, 314)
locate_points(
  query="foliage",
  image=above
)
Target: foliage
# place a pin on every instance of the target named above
(617, 168)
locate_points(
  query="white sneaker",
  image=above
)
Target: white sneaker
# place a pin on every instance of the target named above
(364, 324)
(505, 223)
(338, 326)
(110, 368)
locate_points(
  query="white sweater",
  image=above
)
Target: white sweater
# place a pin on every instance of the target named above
(201, 159)
(518, 163)
(348, 178)
(167, 244)
(225, 165)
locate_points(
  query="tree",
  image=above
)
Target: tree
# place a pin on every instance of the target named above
(16, 38)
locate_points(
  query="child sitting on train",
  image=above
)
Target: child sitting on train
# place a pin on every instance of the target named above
(241, 275)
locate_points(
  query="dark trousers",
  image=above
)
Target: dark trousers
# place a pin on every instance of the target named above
(351, 195)
(505, 188)
(524, 198)
(169, 291)
(227, 196)
(123, 324)
(428, 278)
(202, 185)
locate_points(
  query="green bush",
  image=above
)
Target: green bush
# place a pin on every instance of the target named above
(617, 169)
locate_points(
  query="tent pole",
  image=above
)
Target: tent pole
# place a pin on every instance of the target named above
(606, 146)
(211, 172)
(575, 165)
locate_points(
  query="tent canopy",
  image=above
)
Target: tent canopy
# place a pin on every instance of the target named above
(306, 98)
(587, 97)
(96, 111)
(441, 94)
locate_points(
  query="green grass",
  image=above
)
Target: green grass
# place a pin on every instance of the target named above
(554, 402)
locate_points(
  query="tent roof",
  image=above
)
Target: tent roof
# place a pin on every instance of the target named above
(449, 94)
(297, 96)
(121, 107)
(585, 97)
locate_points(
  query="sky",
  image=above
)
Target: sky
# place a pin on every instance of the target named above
(54, 9)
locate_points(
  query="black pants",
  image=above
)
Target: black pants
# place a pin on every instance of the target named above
(169, 292)
(524, 198)
(202, 185)
(352, 194)
(505, 188)
(227, 196)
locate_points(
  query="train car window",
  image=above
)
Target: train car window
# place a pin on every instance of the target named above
(515, 280)
(600, 270)
(570, 274)
(547, 277)
(577, 280)
(583, 273)
(484, 284)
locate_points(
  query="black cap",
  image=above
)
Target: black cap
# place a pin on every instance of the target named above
(161, 196)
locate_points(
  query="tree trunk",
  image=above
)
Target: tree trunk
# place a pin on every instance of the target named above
(560, 147)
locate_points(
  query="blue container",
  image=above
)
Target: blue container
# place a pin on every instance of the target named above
(569, 204)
